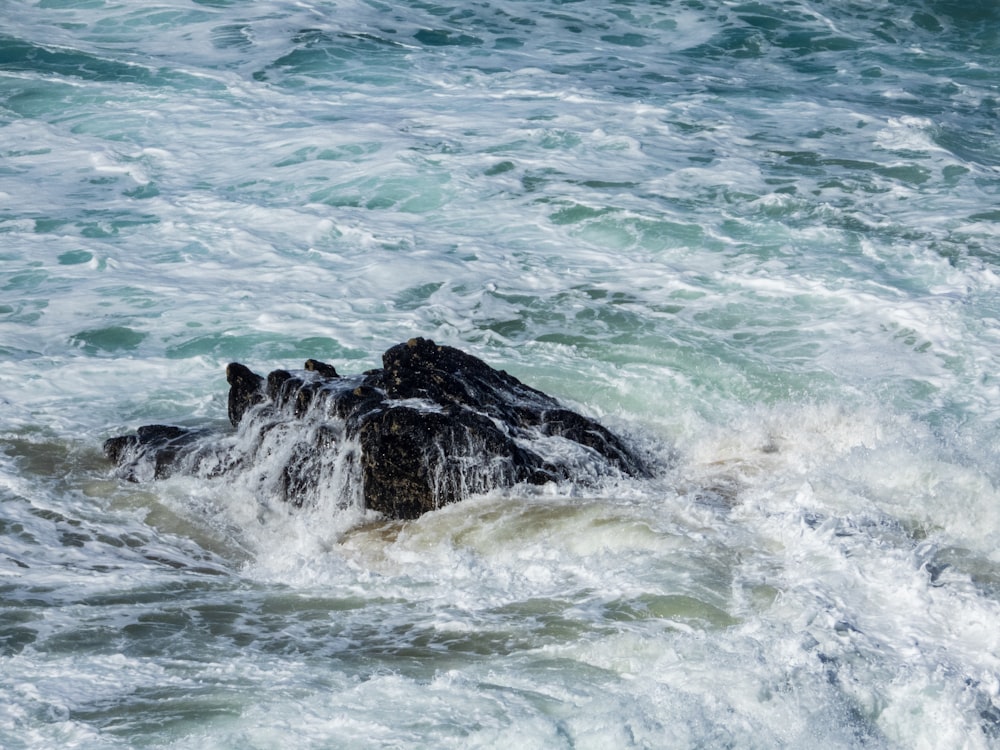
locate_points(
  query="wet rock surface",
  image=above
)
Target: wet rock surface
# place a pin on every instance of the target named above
(432, 426)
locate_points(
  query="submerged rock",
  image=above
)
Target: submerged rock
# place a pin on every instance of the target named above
(432, 426)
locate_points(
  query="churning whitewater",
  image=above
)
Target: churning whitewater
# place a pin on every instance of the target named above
(756, 241)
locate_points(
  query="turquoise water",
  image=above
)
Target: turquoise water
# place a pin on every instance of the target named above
(759, 239)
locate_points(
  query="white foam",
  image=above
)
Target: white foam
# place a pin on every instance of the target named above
(777, 279)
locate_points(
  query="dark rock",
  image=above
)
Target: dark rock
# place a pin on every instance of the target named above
(245, 390)
(415, 460)
(432, 426)
(327, 371)
(162, 443)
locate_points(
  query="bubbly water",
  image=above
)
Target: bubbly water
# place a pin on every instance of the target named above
(758, 239)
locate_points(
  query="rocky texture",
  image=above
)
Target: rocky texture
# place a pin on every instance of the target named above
(430, 427)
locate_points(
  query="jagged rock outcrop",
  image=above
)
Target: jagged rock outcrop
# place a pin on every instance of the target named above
(432, 426)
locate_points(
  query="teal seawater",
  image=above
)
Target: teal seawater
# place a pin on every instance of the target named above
(761, 239)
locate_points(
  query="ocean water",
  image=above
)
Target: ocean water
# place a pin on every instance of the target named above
(761, 240)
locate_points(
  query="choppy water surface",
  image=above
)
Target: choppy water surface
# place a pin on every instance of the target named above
(758, 239)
